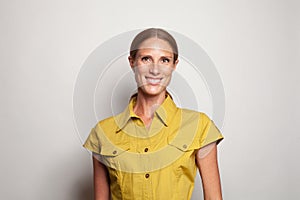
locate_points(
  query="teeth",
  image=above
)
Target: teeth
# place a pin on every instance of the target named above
(153, 81)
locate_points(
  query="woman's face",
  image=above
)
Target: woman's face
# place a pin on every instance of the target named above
(153, 66)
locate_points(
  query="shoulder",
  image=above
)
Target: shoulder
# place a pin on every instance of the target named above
(203, 117)
(109, 123)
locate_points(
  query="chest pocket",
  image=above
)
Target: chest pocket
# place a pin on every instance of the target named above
(184, 148)
(112, 156)
(185, 142)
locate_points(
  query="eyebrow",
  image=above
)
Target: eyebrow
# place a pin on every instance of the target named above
(167, 56)
(149, 55)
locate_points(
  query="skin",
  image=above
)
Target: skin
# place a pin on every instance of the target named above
(101, 181)
(153, 67)
(209, 172)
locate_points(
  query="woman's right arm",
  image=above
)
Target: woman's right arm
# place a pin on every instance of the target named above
(101, 181)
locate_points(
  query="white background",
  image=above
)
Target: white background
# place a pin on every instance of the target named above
(255, 48)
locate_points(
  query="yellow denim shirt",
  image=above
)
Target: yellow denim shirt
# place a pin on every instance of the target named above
(155, 163)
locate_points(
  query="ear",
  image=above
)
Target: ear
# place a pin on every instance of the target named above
(175, 64)
(131, 61)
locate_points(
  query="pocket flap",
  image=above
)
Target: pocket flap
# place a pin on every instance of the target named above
(111, 150)
(183, 145)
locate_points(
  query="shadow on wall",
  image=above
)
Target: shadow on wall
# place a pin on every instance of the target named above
(69, 179)
(83, 189)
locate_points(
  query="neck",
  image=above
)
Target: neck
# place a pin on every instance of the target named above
(146, 105)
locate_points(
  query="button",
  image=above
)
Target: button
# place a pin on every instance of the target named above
(147, 175)
(146, 149)
(184, 146)
(115, 152)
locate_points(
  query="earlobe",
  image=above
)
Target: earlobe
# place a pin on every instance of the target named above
(175, 64)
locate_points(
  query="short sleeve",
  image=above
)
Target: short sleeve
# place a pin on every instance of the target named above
(210, 132)
(92, 143)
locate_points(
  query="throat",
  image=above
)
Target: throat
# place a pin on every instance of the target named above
(146, 117)
(145, 107)
(147, 121)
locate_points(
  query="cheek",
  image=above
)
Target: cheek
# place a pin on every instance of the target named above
(139, 71)
(168, 79)
(139, 74)
(167, 72)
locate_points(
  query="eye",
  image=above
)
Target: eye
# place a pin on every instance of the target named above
(146, 59)
(165, 60)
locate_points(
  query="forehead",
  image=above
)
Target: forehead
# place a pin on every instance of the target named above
(156, 44)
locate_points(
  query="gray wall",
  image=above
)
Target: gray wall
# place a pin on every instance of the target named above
(253, 44)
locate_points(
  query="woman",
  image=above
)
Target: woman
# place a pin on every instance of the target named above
(153, 149)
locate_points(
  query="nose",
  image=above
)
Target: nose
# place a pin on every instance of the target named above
(154, 69)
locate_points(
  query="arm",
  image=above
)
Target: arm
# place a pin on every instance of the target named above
(101, 181)
(209, 171)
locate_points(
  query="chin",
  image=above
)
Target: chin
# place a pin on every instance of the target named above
(149, 90)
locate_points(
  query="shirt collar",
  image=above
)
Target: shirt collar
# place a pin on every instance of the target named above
(164, 112)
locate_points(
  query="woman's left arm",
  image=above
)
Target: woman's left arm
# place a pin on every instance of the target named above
(207, 162)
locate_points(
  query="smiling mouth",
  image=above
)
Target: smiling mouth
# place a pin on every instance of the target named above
(153, 81)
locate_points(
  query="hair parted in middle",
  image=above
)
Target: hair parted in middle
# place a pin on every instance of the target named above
(153, 33)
